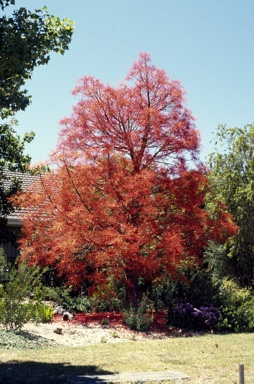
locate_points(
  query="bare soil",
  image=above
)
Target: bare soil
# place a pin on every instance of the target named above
(88, 332)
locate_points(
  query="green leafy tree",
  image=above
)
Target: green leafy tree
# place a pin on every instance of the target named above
(26, 40)
(4, 3)
(232, 177)
(12, 148)
(12, 158)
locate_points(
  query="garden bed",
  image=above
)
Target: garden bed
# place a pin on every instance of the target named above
(112, 319)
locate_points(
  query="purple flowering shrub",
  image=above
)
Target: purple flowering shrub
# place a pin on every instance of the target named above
(186, 316)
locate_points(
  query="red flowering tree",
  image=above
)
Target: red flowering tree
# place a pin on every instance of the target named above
(123, 202)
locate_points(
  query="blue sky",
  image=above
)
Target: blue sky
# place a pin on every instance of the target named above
(206, 44)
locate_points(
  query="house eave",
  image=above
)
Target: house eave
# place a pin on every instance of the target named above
(14, 222)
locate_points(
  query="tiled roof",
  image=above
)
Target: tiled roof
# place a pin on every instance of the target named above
(27, 181)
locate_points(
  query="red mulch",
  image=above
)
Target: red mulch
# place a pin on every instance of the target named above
(112, 318)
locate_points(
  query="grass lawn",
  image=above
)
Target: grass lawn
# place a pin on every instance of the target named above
(206, 359)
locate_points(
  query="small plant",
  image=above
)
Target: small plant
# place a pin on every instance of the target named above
(43, 313)
(105, 322)
(137, 317)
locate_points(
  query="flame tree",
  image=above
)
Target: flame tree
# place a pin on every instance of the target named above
(123, 201)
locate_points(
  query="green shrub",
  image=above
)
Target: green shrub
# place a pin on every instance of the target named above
(112, 304)
(4, 266)
(62, 296)
(99, 302)
(192, 285)
(137, 317)
(20, 296)
(84, 304)
(236, 308)
(109, 297)
(166, 292)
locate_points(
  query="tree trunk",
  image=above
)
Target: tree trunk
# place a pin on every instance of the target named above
(131, 287)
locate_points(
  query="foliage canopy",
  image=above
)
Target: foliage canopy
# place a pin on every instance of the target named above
(26, 40)
(124, 203)
(232, 177)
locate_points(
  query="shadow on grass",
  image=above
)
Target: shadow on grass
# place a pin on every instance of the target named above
(30, 372)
